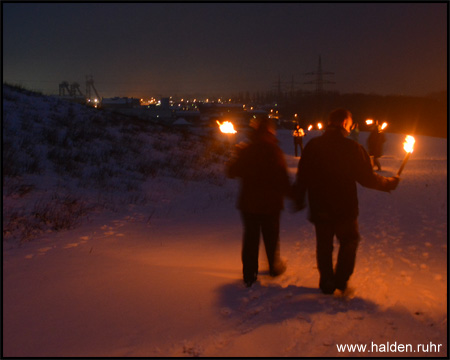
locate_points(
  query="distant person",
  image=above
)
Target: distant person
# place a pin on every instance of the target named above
(375, 144)
(328, 171)
(354, 132)
(298, 139)
(262, 169)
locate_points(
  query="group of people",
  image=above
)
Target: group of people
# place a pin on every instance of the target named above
(328, 170)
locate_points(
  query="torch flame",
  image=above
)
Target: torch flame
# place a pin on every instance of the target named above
(383, 126)
(408, 145)
(310, 127)
(226, 127)
(369, 121)
(319, 125)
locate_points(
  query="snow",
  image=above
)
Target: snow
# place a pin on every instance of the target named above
(163, 277)
(181, 121)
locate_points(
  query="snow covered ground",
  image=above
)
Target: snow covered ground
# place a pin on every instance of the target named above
(163, 278)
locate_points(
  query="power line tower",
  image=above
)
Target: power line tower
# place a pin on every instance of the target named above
(89, 86)
(319, 80)
(285, 88)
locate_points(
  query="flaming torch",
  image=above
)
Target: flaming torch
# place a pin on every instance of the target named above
(310, 127)
(383, 126)
(226, 127)
(369, 122)
(319, 126)
(408, 145)
(228, 130)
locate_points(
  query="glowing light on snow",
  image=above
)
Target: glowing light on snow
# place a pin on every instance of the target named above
(226, 127)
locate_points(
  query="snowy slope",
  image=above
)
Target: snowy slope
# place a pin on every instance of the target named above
(162, 277)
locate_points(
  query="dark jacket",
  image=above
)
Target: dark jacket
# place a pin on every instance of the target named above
(263, 172)
(375, 143)
(328, 171)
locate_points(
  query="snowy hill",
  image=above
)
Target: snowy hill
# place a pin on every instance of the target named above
(122, 239)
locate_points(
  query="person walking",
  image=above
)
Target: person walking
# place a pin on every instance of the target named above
(328, 172)
(375, 143)
(298, 139)
(262, 170)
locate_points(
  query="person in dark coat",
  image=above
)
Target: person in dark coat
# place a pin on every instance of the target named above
(262, 169)
(298, 135)
(328, 171)
(375, 143)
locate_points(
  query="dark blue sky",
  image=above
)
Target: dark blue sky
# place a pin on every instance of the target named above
(145, 49)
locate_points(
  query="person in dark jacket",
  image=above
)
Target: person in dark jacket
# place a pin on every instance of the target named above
(298, 135)
(262, 169)
(328, 171)
(375, 143)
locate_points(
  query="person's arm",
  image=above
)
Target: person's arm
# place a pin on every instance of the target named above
(299, 188)
(367, 177)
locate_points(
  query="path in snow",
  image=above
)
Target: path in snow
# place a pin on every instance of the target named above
(165, 279)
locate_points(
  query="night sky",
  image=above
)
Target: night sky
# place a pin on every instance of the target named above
(162, 49)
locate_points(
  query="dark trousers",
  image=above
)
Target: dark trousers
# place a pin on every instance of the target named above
(298, 141)
(348, 235)
(254, 224)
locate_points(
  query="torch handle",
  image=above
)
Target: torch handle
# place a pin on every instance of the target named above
(405, 160)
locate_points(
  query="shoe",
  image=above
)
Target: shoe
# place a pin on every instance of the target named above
(279, 269)
(327, 287)
(249, 282)
(342, 286)
(250, 278)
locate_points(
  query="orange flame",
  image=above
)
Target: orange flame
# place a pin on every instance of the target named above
(408, 145)
(226, 127)
(310, 127)
(369, 121)
(319, 125)
(383, 126)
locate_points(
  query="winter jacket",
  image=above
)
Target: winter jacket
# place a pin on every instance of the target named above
(263, 172)
(328, 171)
(375, 143)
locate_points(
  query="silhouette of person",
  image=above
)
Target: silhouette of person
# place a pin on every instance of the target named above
(328, 171)
(375, 143)
(298, 139)
(262, 170)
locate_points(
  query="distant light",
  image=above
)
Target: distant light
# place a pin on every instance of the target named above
(384, 125)
(369, 121)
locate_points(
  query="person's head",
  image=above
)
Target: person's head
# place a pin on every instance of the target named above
(263, 124)
(341, 118)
